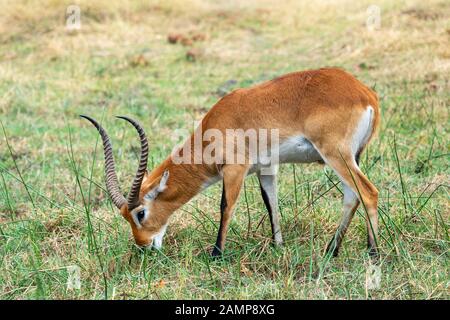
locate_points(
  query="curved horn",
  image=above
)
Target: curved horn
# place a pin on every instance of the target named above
(133, 196)
(112, 184)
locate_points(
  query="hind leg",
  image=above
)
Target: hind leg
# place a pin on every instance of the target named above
(350, 203)
(363, 190)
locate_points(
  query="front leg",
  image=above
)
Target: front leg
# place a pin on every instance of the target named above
(268, 184)
(233, 178)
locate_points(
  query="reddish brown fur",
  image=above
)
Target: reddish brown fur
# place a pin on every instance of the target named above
(324, 105)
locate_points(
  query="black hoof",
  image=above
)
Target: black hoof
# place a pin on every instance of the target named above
(276, 244)
(374, 255)
(373, 251)
(332, 249)
(216, 252)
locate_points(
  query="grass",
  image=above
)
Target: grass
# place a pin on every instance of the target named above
(55, 213)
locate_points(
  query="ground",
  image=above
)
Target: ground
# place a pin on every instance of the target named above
(57, 221)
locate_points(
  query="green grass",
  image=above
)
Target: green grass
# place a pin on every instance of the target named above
(55, 213)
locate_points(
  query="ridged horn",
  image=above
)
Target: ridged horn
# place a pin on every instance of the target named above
(112, 184)
(133, 196)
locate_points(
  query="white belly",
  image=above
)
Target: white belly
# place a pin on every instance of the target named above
(295, 149)
(298, 149)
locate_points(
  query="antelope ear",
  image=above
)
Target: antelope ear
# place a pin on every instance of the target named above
(146, 175)
(163, 183)
(152, 194)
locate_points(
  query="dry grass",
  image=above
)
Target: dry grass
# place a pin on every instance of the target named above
(120, 62)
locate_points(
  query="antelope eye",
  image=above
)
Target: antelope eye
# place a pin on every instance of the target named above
(140, 215)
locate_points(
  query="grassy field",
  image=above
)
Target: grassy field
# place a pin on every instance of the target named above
(55, 213)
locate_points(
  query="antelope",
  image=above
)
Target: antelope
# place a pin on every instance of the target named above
(325, 116)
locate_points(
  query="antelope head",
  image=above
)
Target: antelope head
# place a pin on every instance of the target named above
(147, 229)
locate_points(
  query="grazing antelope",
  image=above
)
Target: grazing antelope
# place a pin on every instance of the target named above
(324, 116)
